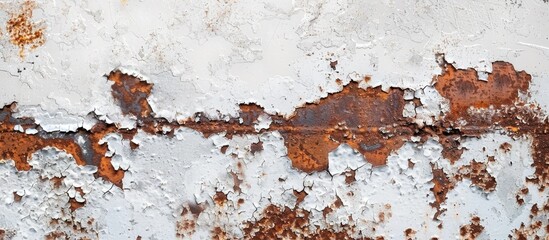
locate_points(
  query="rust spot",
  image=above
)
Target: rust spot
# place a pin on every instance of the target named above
(57, 181)
(350, 176)
(506, 147)
(409, 234)
(472, 230)
(219, 234)
(75, 204)
(534, 210)
(224, 148)
(333, 65)
(411, 164)
(16, 198)
(23, 32)
(220, 198)
(479, 176)
(185, 227)
(300, 195)
(256, 147)
(237, 180)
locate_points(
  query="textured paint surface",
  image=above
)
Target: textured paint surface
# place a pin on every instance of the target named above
(274, 119)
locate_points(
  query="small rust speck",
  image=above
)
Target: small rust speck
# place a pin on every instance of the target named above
(300, 195)
(224, 149)
(350, 176)
(333, 65)
(506, 147)
(16, 198)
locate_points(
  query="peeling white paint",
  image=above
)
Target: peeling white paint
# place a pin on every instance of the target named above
(211, 56)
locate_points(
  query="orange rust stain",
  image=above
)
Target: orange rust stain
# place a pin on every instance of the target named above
(23, 32)
(472, 230)
(103, 163)
(354, 116)
(20, 146)
(131, 93)
(220, 198)
(464, 89)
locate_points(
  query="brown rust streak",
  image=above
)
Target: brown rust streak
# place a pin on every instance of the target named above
(23, 32)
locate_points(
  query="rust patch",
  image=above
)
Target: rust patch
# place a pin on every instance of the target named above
(131, 94)
(103, 163)
(185, 227)
(409, 234)
(479, 176)
(256, 147)
(219, 234)
(464, 89)
(366, 119)
(333, 65)
(23, 32)
(20, 146)
(451, 148)
(350, 176)
(300, 196)
(220, 198)
(16, 198)
(472, 230)
(285, 223)
(442, 185)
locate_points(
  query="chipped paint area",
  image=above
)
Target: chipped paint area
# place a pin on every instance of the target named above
(263, 120)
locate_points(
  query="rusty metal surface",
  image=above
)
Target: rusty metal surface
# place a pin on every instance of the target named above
(164, 141)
